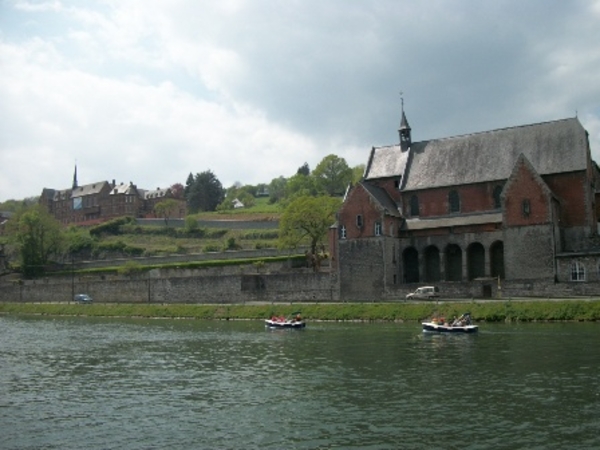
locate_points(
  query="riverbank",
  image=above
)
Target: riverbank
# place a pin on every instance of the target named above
(507, 311)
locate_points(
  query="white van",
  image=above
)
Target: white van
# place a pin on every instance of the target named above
(424, 292)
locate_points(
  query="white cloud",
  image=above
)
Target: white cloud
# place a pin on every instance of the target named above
(150, 90)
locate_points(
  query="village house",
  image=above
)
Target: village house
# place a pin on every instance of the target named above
(512, 210)
(101, 201)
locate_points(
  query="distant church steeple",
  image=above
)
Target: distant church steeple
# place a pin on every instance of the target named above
(75, 177)
(404, 130)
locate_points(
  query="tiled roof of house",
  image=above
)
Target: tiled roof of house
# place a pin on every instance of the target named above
(551, 147)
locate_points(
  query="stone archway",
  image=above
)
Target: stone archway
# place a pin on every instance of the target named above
(453, 263)
(410, 263)
(476, 261)
(497, 259)
(432, 264)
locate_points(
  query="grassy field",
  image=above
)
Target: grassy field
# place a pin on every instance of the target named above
(509, 311)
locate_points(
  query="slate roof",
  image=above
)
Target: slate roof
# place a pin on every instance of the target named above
(382, 198)
(386, 162)
(88, 189)
(157, 193)
(123, 189)
(551, 147)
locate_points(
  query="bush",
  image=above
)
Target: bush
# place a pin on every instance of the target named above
(112, 227)
(130, 268)
(211, 248)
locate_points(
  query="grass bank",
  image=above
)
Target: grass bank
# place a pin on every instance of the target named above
(509, 311)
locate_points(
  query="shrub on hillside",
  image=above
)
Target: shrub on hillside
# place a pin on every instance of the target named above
(112, 227)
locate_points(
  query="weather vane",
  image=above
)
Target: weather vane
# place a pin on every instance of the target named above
(402, 100)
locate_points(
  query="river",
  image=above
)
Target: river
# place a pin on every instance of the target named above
(74, 383)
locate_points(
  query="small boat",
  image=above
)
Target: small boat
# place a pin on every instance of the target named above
(461, 325)
(294, 321)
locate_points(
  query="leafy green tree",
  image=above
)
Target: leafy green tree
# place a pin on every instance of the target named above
(38, 237)
(332, 175)
(205, 193)
(277, 189)
(357, 173)
(300, 185)
(166, 209)
(307, 219)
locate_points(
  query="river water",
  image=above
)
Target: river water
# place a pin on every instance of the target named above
(74, 383)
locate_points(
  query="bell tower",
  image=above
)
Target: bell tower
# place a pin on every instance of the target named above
(404, 130)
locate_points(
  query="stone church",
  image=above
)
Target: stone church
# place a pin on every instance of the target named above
(506, 212)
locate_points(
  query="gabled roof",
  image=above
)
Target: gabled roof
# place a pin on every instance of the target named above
(386, 162)
(126, 189)
(157, 193)
(382, 198)
(88, 189)
(551, 147)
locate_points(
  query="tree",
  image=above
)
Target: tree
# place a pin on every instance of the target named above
(38, 236)
(300, 185)
(205, 193)
(178, 191)
(307, 219)
(304, 169)
(166, 209)
(277, 189)
(188, 185)
(332, 175)
(357, 173)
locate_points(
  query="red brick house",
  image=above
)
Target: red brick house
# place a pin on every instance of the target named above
(507, 210)
(100, 201)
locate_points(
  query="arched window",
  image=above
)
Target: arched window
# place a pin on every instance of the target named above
(577, 271)
(453, 202)
(414, 206)
(496, 194)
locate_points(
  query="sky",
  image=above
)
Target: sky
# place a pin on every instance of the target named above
(149, 91)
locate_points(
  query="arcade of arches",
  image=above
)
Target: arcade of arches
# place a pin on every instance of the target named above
(453, 263)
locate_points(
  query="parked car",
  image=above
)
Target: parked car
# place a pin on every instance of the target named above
(428, 292)
(83, 298)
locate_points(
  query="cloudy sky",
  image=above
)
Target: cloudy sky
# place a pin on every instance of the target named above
(150, 90)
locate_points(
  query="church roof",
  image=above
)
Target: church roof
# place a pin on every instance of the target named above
(386, 162)
(551, 147)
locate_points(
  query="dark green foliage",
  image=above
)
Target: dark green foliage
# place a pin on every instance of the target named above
(205, 193)
(119, 247)
(251, 235)
(112, 227)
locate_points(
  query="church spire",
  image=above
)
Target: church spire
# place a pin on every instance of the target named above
(75, 177)
(404, 130)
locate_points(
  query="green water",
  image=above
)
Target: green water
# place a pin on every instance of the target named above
(71, 383)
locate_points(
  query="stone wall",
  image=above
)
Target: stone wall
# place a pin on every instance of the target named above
(529, 252)
(172, 287)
